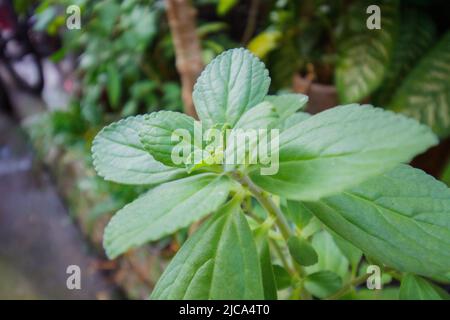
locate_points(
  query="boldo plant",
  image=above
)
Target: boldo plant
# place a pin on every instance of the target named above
(277, 192)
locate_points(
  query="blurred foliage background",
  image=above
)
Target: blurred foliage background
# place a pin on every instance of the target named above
(124, 63)
(125, 59)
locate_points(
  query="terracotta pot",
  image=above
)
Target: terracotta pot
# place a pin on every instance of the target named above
(321, 96)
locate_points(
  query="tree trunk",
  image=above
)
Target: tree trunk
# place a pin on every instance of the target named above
(181, 16)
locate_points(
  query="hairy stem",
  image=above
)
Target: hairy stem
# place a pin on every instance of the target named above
(267, 203)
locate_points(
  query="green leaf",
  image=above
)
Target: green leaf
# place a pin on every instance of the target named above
(446, 175)
(231, 84)
(113, 86)
(272, 112)
(119, 156)
(107, 14)
(162, 131)
(294, 119)
(262, 116)
(224, 6)
(269, 114)
(323, 283)
(425, 93)
(282, 277)
(364, 269)
(164, 210)
(301, 251)
(209, 28)
(417, 288)
(297, 213)
(383, 294)
(401, 218)
(268, 277)
(287, 104)
(219, 261)
(330, 256)
(340, 148)
(364, 54)
(415, 36)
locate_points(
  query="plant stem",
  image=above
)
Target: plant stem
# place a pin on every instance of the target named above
(355, 282)
(267, 203)
(272, 209)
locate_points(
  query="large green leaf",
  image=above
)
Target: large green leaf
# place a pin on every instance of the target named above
(340, 148)
(364, 54)
(425, 93)
(119, 156)
(162, 131)
(231, 84)
(416, 35)
(401, 218)
(164, 210)
(417, 288)
(219, 261)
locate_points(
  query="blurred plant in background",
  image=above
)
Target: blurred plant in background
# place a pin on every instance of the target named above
(328, 42)
(125, 64)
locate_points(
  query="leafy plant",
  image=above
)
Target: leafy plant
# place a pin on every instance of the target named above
(340, 191)
(329, 42)
(416, 33)
(126, 60)
(304, 33)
